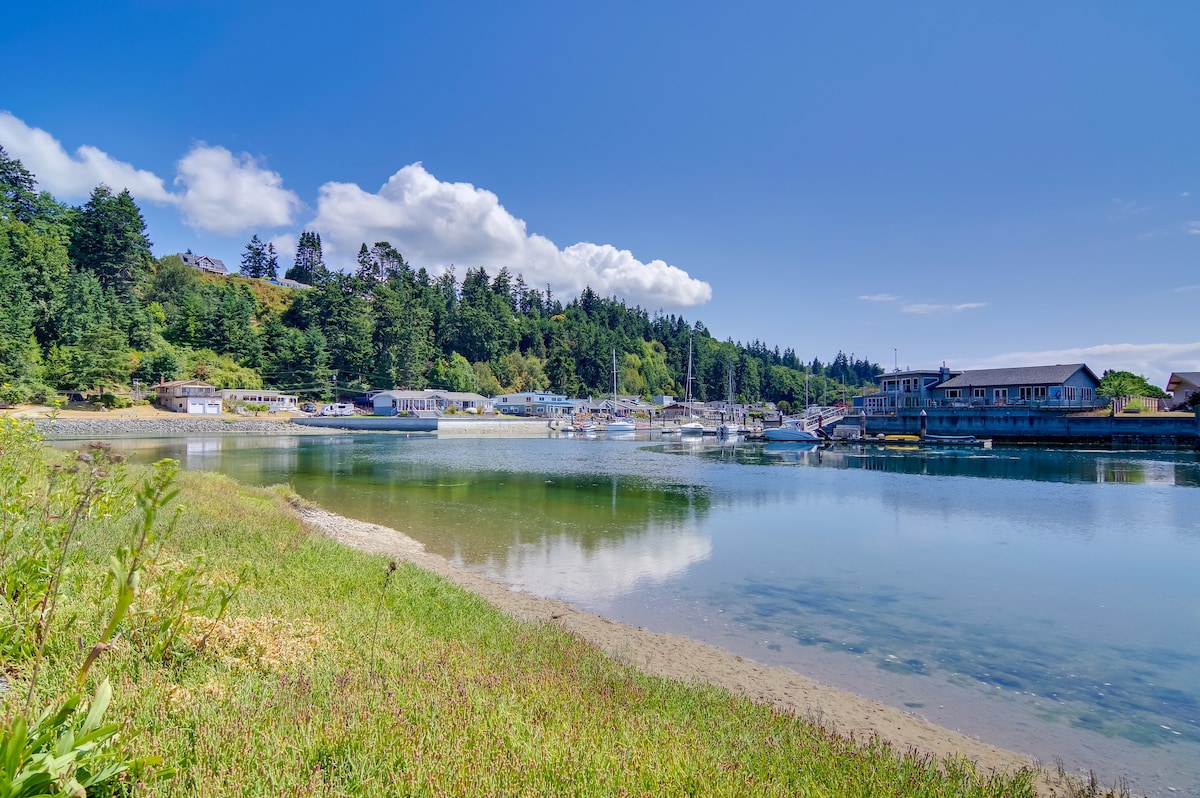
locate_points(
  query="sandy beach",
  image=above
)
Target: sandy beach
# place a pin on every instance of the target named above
(666, 655)
(682, 658)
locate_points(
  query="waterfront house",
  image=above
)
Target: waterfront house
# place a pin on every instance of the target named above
(684, 411)
(391, 403)
(274, 400)
(1060, 386)
(189, 396)
(540, 404)
(909, 388)
(1182, 385)
(203, 262)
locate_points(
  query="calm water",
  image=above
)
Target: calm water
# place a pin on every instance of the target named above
(1046, 601)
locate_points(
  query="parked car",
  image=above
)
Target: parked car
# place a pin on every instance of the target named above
(308, 407)
(339, 409)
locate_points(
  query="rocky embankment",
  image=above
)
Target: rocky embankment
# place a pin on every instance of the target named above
(107, 427)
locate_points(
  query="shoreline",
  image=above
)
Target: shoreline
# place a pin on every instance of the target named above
(682, 658)
(668, 655)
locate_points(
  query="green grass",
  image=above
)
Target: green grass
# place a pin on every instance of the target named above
(462, 700)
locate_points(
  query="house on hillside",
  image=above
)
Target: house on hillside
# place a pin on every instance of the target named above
(284, 282)
(1071, 385)
(203, 262)
(189, 396)
(1182, 385)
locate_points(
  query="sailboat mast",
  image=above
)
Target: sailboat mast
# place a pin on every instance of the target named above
(687, 391)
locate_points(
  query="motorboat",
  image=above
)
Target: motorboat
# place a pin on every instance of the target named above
(790, 431)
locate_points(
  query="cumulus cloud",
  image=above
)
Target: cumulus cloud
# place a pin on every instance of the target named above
(436, 224)
(929, 308)
(227, 194)
(73, 176)
(222, 193)
(879, 298)
(1153, 361)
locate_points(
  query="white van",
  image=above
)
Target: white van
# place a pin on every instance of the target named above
(339, 409)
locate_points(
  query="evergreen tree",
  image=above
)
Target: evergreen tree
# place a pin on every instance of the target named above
(272, 266)
(254, 259)
(308, 266)
(18, 190)
(108, 239)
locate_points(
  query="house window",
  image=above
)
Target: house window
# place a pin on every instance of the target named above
(953, 393)
(1025, 393)
(979, 393)
(1000, 395)
(1085, 394)
(1070, 393)
(1039, 392)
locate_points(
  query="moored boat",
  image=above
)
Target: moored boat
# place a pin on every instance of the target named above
(789, 431)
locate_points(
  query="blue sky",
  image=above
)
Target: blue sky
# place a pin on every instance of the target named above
(982, 184)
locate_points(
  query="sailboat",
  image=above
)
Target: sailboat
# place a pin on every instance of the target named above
(693, 427)
(729, 428)
(619, 423)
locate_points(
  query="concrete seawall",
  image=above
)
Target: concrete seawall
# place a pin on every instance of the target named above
(1023, 425)
(456, 425)
(371, 423)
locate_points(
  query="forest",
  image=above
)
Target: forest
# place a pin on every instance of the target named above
(86, 306)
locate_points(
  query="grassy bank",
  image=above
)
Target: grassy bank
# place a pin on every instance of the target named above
(257, 658)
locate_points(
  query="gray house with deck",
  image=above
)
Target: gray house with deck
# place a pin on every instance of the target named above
(1063, 386)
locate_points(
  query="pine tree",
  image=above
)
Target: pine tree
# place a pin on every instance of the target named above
(108, 239)
(308, 267)
(254, 259)
(18, 190)
(272, 269)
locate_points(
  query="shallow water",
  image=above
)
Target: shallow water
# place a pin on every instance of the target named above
(1044, 600)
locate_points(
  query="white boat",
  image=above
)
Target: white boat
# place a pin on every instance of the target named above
(789, 431)
(620, 425)
(692, 427)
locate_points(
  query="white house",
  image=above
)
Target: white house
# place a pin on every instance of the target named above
(391, 403)
(274, 400)
(189, 396)
(1182, 385)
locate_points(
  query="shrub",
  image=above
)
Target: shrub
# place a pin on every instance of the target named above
(112, 400)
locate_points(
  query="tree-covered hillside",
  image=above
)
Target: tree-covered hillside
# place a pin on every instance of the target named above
(86, 306)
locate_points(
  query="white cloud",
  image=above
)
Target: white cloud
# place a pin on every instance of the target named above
(436, 224)
(74, 176)
(1193, 228)
(1153, 361)
(285, 246)
(228, 194)
(1185, 289)
(879, 298)
(928, 308)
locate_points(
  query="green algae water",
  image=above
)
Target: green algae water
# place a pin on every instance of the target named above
(1047, 601)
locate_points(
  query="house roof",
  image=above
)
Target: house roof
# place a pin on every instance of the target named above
(451, 396)
(1024, 375)
(179, 383)
(1181, 379)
